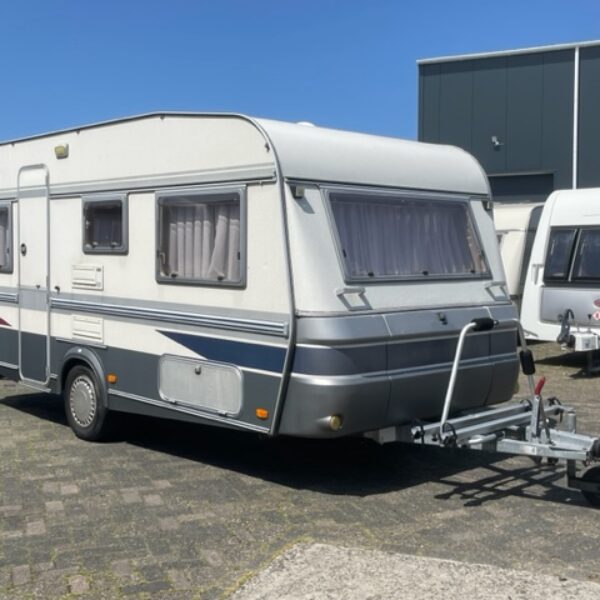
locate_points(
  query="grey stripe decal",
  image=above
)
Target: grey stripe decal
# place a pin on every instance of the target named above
(9, 297)
(173, 317)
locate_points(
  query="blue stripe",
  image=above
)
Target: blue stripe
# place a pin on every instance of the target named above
(244, 354)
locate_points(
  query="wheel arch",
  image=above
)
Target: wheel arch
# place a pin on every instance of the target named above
(88, 358)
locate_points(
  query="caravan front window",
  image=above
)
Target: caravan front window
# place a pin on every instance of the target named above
(200, 237)
(5, 238)
(560, 248)
(587, 258)
(389, 237)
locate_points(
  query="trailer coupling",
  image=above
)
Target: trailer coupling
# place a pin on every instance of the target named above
(534, 427)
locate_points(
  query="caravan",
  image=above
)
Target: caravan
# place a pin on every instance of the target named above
(273, 277)
(561, 301)
(516, 225)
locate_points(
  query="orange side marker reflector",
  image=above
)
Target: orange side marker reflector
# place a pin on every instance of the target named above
(262, 413)
(111, 378)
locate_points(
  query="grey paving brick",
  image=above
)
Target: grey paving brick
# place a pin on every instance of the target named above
(153, 500)
(69, 489)
(21, 574)
(78, 584)
(54, 506)
(35, 528)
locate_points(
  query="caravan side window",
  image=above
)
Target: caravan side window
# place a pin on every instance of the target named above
(105, 224)
(560, 249)
(6, 262)
(201, 237)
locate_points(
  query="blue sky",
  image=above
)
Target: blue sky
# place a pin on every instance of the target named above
(346, 64)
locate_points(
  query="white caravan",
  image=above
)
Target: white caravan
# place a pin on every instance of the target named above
(561, 301)
(274, 277)
(516, 225)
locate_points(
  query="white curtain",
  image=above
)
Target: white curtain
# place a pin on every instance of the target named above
(4, 238)
(402, 237)
(202, 241)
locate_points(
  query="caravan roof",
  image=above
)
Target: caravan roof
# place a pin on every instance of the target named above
(304, 152)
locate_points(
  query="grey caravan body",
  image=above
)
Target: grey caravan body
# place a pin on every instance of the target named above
(340, 271)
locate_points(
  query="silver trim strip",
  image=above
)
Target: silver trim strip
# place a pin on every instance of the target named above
(182, 409)
(180, 318)
(252, 173)
(12, 298)
(8, 365)
(532, 50)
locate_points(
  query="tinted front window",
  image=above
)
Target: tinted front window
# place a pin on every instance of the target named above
(587, 258)
(390, 237)
(558, 258)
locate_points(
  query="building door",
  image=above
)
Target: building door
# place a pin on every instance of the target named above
(33, 251)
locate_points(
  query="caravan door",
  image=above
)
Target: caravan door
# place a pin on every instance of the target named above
(33, 253)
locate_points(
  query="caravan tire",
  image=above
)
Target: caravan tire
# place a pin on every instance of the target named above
(84, 405)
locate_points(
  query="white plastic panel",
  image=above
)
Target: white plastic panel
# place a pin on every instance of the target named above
(87, 277)
(87, 328)
(210, 386)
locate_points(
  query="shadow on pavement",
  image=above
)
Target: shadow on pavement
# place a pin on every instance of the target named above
(346, 466)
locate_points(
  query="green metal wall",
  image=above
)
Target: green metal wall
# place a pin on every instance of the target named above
(526, 102)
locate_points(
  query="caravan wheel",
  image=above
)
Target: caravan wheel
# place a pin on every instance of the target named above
(84, 406)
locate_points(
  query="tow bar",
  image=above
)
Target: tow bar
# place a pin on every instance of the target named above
(533, 427)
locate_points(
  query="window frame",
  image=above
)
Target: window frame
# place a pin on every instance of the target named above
(575, 258)
(161, 198)
(10, 266)
(111, 198)
(409, 195)
(572, 251)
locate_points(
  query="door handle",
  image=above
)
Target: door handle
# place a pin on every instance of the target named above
(23, 249)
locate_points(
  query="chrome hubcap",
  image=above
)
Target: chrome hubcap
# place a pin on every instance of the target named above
(83, 401)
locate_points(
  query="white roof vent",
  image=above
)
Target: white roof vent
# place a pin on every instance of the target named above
(306, 123)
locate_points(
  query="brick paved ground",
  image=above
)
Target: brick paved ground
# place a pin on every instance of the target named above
(176, 511)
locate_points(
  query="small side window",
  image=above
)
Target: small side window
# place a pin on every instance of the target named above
(560, 250)
(6, 261)
(105, 224)
(201, 237)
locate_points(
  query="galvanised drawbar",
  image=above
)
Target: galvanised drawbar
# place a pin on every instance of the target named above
(533, 427)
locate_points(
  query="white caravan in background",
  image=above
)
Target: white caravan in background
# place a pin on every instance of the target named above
(516, 225)
(248, 273)
(561, 301)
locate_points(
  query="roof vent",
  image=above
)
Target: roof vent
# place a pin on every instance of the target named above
(306, 123)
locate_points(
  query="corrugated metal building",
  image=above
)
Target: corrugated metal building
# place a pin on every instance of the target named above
(531, 116)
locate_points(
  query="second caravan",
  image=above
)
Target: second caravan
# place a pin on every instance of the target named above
(561, 301)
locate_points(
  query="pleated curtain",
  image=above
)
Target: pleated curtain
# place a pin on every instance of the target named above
(202, 241)
(406, 238)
